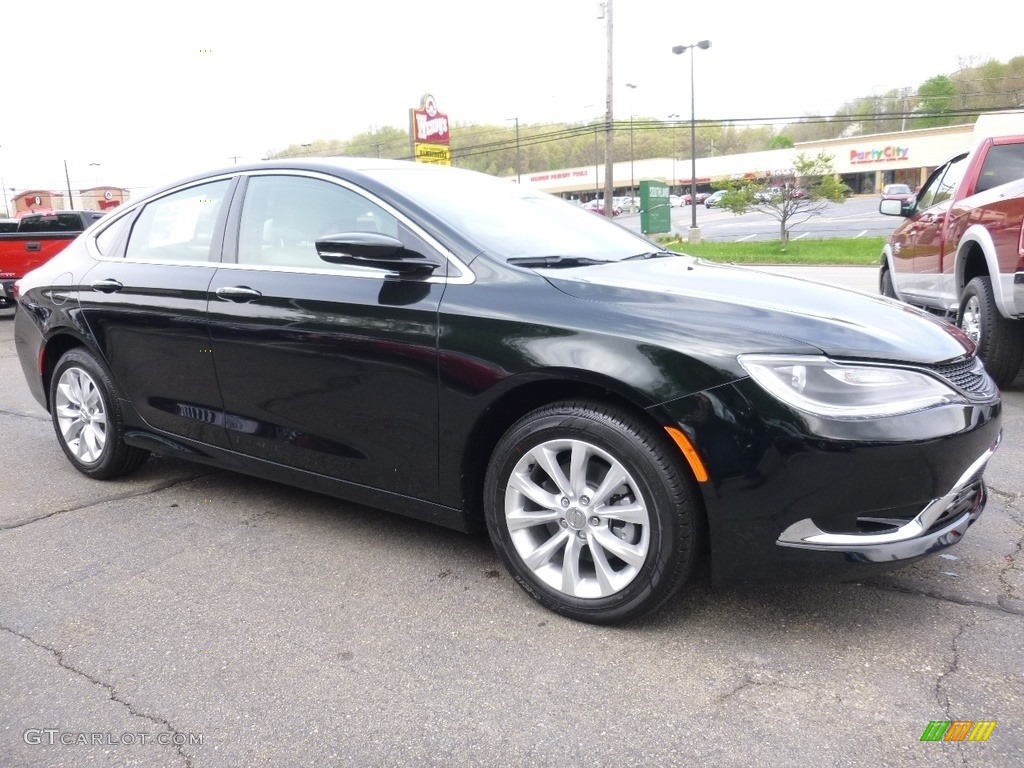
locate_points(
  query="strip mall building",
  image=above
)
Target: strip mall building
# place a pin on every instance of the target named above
(865, 164)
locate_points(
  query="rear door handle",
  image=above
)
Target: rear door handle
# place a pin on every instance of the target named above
(34, 246)
(238, 293)
(107, 286)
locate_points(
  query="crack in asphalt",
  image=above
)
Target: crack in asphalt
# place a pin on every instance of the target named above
(15, 414)
(954, 666)
(999, 607)
(940, 696)
(106, 499)
(750, 682)
(111, 692)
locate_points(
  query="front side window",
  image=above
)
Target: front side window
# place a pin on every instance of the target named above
(950, 180)
(929, 194)
(179, 226)
(283, 216)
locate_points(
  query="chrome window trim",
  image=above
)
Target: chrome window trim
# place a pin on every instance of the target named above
(126, 210)
(465, 276)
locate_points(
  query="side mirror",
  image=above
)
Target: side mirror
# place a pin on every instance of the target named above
(897, 207)
(372, 249)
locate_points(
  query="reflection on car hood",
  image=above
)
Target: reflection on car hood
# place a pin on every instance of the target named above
(839, 322)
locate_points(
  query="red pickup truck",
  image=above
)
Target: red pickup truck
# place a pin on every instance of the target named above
(960, 253)
(39, 237)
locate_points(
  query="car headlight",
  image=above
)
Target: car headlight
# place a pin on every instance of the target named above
(834, 390)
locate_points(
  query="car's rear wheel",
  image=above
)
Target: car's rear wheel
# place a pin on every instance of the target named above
(591, 511)
(87, 418)
(1000, 340)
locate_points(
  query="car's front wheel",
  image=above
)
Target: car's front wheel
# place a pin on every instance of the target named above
(1000, 340)
(87, 417)
(591, 511)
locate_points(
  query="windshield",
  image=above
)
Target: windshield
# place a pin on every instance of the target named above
(509, 221)
(898, 189)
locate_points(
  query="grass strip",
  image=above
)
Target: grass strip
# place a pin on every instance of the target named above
(865, 251)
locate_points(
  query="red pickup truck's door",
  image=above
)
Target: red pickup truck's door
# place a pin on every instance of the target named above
(924, 244)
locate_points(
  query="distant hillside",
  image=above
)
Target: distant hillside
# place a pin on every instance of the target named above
(949, 99)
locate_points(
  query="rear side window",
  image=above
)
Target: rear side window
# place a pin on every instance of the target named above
(180, 226)
(109, 239)
(1003, 163)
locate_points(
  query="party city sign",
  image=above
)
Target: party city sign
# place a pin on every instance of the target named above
(880, 154)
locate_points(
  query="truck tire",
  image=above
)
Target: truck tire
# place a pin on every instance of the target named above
(1000, 340)
(885, 285)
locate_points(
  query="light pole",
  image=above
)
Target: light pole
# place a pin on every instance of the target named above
(675, 118)
(519, 176)
(694, 236)
(632, 178)
(3, 190)
(67, 178)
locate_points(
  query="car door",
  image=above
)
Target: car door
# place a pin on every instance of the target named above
(925, 244)
(145, 304)
(322, 367)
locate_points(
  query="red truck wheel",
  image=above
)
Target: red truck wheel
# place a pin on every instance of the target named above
(1000, 340)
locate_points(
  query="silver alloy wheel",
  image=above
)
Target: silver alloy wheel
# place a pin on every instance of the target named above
(577, 518)
(81, 415)
(971, 322)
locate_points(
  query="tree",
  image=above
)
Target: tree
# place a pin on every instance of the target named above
(789, 200)
(935, 96)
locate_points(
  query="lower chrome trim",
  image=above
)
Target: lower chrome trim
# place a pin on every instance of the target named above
(909, 540)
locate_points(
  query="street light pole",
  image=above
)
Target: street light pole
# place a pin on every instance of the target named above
(3, 190)
(675, 118)
(694, 236)
(67, 178)
(519, 176)
(632, 177)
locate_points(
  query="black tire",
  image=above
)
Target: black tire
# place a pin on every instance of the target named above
(1000, 340)
(657, 494)
(886, 287)
(86, 415)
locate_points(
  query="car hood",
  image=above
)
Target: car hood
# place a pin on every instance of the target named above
(767, 309)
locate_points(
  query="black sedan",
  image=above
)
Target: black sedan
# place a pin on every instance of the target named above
(457, 348)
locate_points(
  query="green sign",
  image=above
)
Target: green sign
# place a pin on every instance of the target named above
(655, 208)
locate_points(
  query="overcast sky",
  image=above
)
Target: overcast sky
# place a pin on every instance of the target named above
(154, 90)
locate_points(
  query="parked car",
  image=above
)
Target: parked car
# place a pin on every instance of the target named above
(701, 197)
(714, 199)
(901, 192)
(960, 252)
(449, 346)
(597, 206)
(37, 238)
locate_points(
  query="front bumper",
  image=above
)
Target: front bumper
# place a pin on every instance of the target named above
(794, 498)
(939, 525)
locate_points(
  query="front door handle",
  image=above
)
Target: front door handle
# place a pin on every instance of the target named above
(107, 286)
(238, 293)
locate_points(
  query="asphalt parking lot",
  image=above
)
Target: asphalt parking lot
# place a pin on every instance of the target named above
(195, 617)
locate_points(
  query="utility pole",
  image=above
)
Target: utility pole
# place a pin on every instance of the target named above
(67, 178)
(609, 132)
